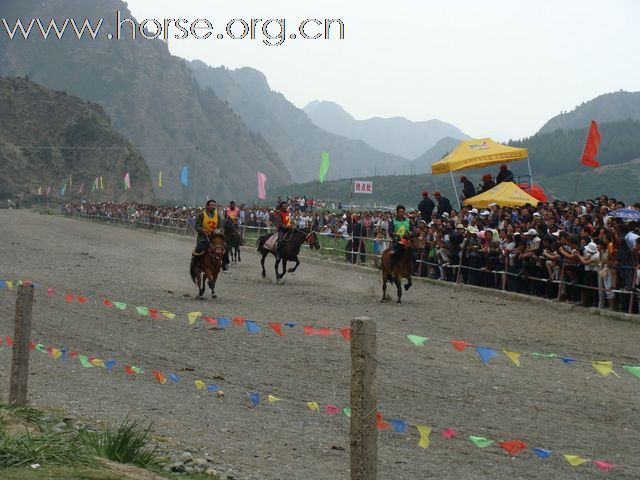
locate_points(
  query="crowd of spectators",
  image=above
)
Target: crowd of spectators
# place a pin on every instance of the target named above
(573, 251)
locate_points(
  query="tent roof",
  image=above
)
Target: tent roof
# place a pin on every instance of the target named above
(505, 194)
(477, 154)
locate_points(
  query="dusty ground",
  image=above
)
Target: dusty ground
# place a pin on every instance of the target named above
(545, 403)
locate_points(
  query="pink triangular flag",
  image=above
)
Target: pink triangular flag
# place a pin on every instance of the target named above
(449, 433)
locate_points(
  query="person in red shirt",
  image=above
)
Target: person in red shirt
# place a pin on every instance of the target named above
(283, 224)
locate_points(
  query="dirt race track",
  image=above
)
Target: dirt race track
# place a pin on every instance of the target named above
(567, 409)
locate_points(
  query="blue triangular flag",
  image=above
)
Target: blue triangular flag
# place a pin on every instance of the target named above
(184, 176)
(251, 326)
(542, 453)
(212, 388)
(63, 354)
(400, 426)
(290, 324)
(174, 378)
(486, 354)
(223, 322)
(567, 360)
(109, 364)
(255, 398)
(3, 284)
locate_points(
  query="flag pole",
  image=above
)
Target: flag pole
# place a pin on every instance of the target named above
(578, 172)
(455, 190)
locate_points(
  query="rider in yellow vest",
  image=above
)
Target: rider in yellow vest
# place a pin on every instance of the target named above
(206, 223)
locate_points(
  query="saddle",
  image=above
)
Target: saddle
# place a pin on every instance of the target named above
(270, 244)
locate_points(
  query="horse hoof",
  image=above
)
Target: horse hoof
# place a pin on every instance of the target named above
(213, 295)
(407, 287)
(384, 300)
(290, 270)
(399, 302)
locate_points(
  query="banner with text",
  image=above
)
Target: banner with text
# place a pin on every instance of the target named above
(361, 186)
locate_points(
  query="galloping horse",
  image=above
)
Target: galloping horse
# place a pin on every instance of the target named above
(395, 269)
(234, 240)
(209, 265)
(289, 251)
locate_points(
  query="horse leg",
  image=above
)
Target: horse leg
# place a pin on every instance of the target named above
(284, 268)
(238, 254)
(409, 283)
(201, 285)
(384, 287)
(277, 264)
(399, 287)
(212, 286)
(264, 272)
(293, 269)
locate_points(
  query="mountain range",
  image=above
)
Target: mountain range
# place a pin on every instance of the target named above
(48, 137)
(152, 98)
(398, 135)
(298, 142)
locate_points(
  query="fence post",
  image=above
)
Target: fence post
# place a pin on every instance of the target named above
(459, 273)
(21, 339)
(632, 293)
(561, 282)
(506, 273)
(333, 249)
(364, 400)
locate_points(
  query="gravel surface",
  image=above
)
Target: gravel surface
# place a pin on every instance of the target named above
(568, 409)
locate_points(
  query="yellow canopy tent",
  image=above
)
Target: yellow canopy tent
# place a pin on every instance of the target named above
(505, 194)
(478, 154)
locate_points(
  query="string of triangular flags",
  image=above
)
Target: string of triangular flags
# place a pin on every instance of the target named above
(485, 354)
(255, 399)
(222, 322)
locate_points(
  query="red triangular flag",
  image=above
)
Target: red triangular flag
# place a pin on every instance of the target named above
(238, 321)
(9, 341)
(277, 327)
(209, 320)
(591, 147)
(460, 345)
(129, 370)
(380, 423)
(153, 313)
(69, 297)
(73, 354)
(32, 346)
(346, 333)
(326, 332)
(81, 299)
(107, 303)
(309, 330)
(513, 447)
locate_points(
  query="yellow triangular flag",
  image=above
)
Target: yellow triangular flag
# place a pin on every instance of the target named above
(9, 284)
(514, 357)
(424, 435)
(96, 362)
(604, 368)
(313, 406)
(200, 385)
(55, 353)
(575, 460)
(168, 314)
(193, 316)
(273, 399)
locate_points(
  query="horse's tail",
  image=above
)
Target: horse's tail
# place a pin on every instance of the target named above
(192, 269)
(260, 242)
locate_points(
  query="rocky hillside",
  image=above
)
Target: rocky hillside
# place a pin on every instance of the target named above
(46, 136)
(152, 98)
(296, 139)
(607, 108)
(394, 135)
(437, 152)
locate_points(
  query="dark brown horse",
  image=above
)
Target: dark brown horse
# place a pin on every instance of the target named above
(209, 265)
(290, 249)
(395, 267)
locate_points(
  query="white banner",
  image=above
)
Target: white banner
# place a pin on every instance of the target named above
(361, 186)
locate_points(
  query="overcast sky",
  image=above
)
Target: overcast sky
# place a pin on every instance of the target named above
(491, 67)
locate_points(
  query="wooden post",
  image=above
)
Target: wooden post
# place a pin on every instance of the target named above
(632, 293)
(21, 339)
(333, 249)
(364, 400)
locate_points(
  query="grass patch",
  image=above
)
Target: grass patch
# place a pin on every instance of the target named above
(28, 448)
(128, 443)
(57, 472)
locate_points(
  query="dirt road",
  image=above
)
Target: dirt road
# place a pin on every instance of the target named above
(567, 409)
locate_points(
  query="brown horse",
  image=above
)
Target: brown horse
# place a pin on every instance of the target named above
(209, 265)
(290, 249)
(395, 267)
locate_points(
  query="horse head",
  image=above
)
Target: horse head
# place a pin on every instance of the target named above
(217, 247)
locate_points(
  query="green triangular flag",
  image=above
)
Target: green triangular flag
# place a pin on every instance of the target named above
(347, 411)
(416, 340)
(480, 442)
(142, 310)
(544, 355)
(136, 370)
(120, 305)
(635, 371)
(85, 361)
(40, 348)
(324, 167)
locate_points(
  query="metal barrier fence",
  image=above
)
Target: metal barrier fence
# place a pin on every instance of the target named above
(337, 248)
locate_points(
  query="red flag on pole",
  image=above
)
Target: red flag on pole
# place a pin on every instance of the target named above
(591, 147)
